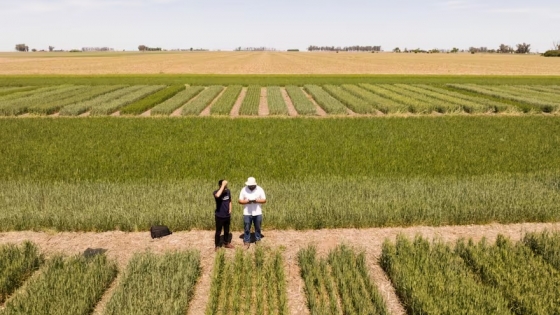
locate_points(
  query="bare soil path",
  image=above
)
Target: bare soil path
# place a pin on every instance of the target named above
(237, 106)
(121, 246)
(291, 108)
(206, 111)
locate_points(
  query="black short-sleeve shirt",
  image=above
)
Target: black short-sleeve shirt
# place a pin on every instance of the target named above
(222, 203)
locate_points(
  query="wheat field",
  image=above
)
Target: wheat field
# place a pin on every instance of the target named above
(274, 63)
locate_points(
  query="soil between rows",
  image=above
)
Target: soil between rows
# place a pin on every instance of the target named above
(122, 245)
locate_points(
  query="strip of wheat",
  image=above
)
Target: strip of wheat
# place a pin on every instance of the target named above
(525, 104)
(224, 105)
(301, 103)
(84, 106)
(66, 286)
(22, 105)
(114, 105)
(384, 105)
(467, 106)
(425, 103)
(250, 105)
(356, 104)
(430, 278)
(83, 95)
(17, 264)
(326, 101)
(495, 106)
(156, 284)
(276, 104)
(205, 98)
(524, 278)
(180, 99)
(545, 244)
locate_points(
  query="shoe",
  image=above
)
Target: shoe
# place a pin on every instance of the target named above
(247, 245)
(229, 245)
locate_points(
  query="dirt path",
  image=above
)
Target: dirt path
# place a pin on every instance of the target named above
(263, 105)
(320, 111)
(121, 246)
(147, 113)
(206, 111)
(237, 106)
(116, 114)
(86, 114)
(291, 108)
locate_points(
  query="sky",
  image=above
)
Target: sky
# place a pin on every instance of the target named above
(285, 24)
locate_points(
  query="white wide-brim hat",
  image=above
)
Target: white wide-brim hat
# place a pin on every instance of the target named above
(251, 181)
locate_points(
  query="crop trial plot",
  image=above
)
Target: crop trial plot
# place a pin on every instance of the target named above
(156, 284)
(250, 283)
(339, 284)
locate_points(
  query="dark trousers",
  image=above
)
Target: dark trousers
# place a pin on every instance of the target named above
(222, 223)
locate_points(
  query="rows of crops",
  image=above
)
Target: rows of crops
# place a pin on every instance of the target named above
(476, 278)
(345, 99)
(504, 277)
(250, 283)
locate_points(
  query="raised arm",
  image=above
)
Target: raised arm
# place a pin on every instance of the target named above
(221, 190)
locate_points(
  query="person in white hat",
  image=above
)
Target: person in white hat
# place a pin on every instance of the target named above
(252, 197)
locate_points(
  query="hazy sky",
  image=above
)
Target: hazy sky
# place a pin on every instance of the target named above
(226, 24)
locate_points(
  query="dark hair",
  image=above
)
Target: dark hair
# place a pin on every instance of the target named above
(220, 182)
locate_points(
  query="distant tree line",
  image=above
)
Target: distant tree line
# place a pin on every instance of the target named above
(255, 49)
(97, 49)
(555, 52)
(146, 48)
(349, 48)
(22, 47)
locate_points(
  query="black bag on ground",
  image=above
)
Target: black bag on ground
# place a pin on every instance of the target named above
(157, 231)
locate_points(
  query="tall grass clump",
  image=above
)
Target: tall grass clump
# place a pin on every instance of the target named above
(205, 98)
(224, 105)
(384, 105)
(433, 279)
(116, 104)
(152, 100)
(527, 280)
(275, 100)
(17, 264)
(330, 104)
(250, 105)
(71, 285)
(156, 284)
(248, 283)
(356, 104)
(301, 103)
(545, 244)
(339, 284)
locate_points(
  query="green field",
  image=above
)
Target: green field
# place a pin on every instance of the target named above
(272, 79)
(100, 174)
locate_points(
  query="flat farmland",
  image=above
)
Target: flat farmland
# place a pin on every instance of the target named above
(275, 63)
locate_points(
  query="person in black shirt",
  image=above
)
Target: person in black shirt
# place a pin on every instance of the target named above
(223, 213)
